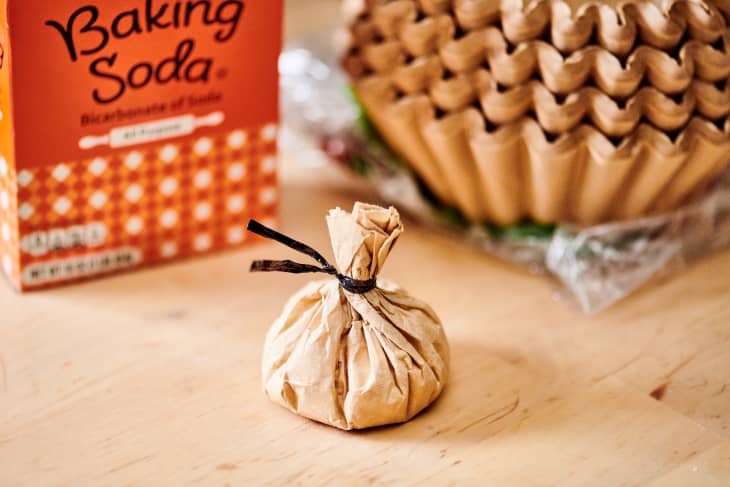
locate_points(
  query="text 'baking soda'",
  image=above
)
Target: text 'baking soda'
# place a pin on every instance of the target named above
(133, 132)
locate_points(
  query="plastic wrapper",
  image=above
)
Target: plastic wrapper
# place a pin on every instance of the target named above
(597, 266)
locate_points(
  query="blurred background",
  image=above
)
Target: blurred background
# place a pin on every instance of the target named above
(309, 16)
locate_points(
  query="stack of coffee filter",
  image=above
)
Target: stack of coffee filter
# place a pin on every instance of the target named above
(581, 111)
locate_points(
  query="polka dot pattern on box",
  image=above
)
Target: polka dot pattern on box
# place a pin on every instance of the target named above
(170, 200)
(8, 223)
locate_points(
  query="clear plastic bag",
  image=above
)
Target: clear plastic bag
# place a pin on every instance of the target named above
(598, 266)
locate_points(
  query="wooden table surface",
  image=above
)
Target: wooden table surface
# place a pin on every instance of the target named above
(152, 378)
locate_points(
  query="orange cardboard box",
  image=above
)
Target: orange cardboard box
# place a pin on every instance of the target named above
(133, 131)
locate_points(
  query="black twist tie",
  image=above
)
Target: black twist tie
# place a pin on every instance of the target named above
(348, 284)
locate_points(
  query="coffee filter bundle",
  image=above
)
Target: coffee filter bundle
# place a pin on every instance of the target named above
(552, 111)
(353, 351)
(480, 130)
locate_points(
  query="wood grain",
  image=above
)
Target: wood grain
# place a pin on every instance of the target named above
(152, 378)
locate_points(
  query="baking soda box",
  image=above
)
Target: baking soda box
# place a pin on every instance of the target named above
(133, 131)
